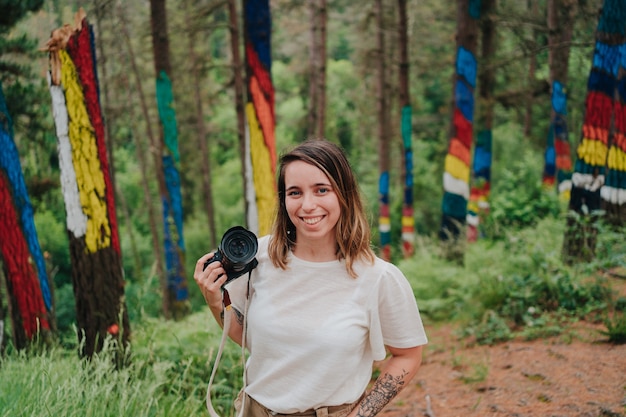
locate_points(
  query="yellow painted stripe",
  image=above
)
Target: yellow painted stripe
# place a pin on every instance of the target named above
(457, 168)
(262, 173)
(89, 176)
(407, 222)
(593, 152)
(617, 159)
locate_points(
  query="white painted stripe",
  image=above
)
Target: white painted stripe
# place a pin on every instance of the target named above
(613, 195)
(455, 185)
(587, 181)
(472, 220)
(76, 219)
(565, 186)
(253, 213)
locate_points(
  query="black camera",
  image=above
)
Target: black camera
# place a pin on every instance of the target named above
(236, 252)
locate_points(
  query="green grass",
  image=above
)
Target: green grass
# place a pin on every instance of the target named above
(514, 286)
(167, 376)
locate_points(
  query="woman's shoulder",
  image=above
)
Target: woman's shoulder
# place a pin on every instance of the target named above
(377, 269)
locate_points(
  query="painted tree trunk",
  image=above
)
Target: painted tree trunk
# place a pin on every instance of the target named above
(408, 221)
(456, 175)
(478, 205)
(601, 149)
(384, 219)
(97, 274)
(261, 120)
(558, 160)
(30, 300)
(599, 178)
(176, 291)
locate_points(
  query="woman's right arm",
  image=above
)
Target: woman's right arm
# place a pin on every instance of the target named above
(210, 281)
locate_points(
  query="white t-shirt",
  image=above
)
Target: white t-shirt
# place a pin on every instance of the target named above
(313, 332)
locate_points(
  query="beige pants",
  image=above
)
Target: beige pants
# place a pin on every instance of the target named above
(255, 409)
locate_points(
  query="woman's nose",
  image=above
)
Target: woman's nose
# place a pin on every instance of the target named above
(308, 202)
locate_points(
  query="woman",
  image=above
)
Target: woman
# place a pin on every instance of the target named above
(321, 307)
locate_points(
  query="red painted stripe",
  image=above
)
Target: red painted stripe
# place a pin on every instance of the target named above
(19, 268)
(79, 48)
(463, 128)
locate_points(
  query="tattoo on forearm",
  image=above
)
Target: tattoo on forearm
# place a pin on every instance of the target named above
(384, 390)
(238, 316)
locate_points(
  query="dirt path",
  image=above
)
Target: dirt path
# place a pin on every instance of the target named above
(538, 378)
(576, 374)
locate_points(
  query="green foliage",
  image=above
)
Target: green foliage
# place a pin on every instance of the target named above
(12, 11)
(170, 366)
(496, 300)
(616, 328)
(518, 199)
(492, 329)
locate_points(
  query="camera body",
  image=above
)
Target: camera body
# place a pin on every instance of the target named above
(236, 252)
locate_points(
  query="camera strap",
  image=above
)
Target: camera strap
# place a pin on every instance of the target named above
(228, 313)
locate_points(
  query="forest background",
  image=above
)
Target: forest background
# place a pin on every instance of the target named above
(521, 247)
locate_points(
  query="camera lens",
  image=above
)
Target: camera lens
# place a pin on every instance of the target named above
(239, 246)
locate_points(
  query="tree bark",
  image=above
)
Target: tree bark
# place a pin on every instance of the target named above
(478, 205)
(532, 69)
(457, 169)
(169, 182)
(598, 178)
(558, 164)
(408, 221)
(238, 76)
(317, 68)
(153, 145)
(384, 223)
(322, 16)
(203, 145)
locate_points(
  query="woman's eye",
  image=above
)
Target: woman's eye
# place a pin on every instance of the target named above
(322, 190)
(293, 193)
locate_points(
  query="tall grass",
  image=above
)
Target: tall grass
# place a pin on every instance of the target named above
(169, 368)
(505, 287)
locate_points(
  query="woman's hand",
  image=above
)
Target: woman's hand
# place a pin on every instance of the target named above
(210, 281)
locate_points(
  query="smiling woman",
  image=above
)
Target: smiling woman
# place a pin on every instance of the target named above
(320, 307)
(313, 209)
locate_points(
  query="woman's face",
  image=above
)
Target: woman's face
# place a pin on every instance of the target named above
(312, 203)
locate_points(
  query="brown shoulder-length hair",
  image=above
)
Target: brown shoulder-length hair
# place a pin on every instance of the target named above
(352, 230)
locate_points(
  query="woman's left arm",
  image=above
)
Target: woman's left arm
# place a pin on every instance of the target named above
(395, 375)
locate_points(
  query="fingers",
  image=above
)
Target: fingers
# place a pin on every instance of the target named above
(210, 278)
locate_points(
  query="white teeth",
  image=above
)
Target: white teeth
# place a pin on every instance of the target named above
(311, 220)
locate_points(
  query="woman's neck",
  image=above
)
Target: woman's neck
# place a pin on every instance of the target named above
(316, 251)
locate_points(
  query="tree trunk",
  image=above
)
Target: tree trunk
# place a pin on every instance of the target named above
(23, 265)
(408, 221)
(457, 169)
(239, 91)
(384, 221)
(260, 114)
(314, 52)
(317, 68)
(203, 145)
(153, 217)
(478, 205)
(97, 274)
(322, 17)
(100, 12)
(597, 152)
(558, 158)
(532, 70)
(169, 180)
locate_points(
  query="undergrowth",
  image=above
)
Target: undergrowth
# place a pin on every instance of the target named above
(513, 286)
